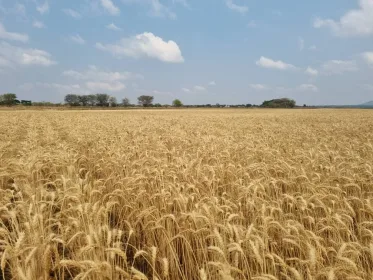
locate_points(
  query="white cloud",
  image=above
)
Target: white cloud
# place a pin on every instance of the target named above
(269, 63)
(312, 72)
(145, 45)
(301, 43)
(308, 87)
(109, 6)
(354, 23)
(112, 26)
(21, 56)
(185, 89)
(72, 13)
(199, 88)
(368, 57)
(77, 39)
(95, 74)
(212, 83)
(337, 67)
(237, 8)
(259, 87)
(103, 86)
(43, 8)
(38, 24)
(12, 36)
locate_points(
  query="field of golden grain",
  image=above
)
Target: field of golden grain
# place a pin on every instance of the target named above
(186, 194)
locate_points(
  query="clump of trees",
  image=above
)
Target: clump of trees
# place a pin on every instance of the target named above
(145, 100)
(10, 99)
(99, 99)
(279, 103)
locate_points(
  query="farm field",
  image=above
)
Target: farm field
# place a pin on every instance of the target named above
(186, 194)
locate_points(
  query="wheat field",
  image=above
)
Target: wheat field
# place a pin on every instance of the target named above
(186, 194)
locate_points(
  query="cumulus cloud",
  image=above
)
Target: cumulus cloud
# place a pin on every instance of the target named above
(237, 8)
(38, 24)
(145, 45)
(77, 39)
(337, 67)
(12, 36)
(259, 87)
(358, 22)
(308, 87)
(185, 89)
(72, 13)
(109, 6)
(43, 8)
(368, 58)
(312, 72)
(22, 56)
(112, 26)
(212, 83)
(272, 64)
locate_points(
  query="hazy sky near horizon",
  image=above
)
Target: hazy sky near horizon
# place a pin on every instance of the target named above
(200, 51)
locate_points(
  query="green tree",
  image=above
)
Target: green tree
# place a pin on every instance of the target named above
(8, 99)
(279, 103)
(177, 103)
(126, 102)
(102, 99)
(83, 100)
(92, 99)
(113, 101)
(145, 100)
(72, 99)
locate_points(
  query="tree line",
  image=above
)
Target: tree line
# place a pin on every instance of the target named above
(105, 100)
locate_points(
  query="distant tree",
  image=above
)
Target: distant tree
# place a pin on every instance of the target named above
(177, 103)
(83, 100)
(279, 103)
(304, 105)
(26, 102)
(8, 99)
(113, 101)
(72, 99)
(92, 99)
(248, 105)
(102, 99)
(157, 105)
(126, 102)
(145, 100)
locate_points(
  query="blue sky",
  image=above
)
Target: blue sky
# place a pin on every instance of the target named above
(206, 51)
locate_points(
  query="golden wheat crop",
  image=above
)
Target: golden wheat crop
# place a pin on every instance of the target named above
(186, 194)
